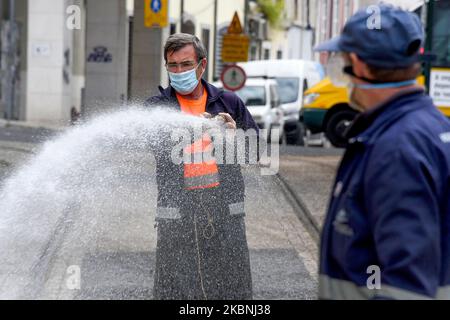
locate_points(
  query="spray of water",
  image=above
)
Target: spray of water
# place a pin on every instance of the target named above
(90, 189)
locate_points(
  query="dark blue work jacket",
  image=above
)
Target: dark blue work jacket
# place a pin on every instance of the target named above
(387, 231)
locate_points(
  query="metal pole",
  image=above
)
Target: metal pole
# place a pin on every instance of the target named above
(215, 40)
(308, 15)
(181, 15)
(12, 56)
(246, 12)
(429, 42)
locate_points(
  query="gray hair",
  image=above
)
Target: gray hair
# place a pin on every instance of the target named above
(178, 41)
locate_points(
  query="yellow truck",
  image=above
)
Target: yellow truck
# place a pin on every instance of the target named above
(325, 107)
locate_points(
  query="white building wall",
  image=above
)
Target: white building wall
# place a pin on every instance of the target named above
(67, 71)
(279, 42)
(47, 93)
(79, 58)
(106, 82)
(201, 13)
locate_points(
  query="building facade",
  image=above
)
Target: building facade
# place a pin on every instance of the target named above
(88, 56)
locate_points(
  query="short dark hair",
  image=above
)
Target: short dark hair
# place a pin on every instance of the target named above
(396, 75)
(178, 41)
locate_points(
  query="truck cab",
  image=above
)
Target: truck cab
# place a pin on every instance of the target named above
(325, 106)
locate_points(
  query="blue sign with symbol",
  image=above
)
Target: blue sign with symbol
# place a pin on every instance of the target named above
(155, 6)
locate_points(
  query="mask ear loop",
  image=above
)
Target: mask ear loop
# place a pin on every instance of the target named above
(199, 63)
(349, 70)
(377, 84)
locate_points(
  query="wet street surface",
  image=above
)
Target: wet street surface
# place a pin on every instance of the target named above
(119, 262)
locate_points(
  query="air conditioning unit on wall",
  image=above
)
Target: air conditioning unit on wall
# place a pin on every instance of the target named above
(257, 28)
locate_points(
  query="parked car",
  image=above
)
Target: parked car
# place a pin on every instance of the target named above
(293, 78)
(261, 97)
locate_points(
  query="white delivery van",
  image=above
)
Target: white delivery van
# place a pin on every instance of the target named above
(293, 78)
(262, 100)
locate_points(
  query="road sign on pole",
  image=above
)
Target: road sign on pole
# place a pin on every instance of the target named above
(233, 77)
(156, 13)
(235, 43)
(235, 26)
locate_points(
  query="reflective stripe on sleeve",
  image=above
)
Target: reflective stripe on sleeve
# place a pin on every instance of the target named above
(330, 288)
(443, 293)
(201, 180)
(167, 213)
(236, 208)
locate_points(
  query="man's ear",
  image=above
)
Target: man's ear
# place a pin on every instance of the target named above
(203, 64)
(360, 68)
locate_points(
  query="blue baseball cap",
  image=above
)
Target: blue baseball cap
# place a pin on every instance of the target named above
(382, 36)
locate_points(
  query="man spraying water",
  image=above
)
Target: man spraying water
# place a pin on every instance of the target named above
(202, 250)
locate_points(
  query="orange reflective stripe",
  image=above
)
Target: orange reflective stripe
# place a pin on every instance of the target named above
(204, 174)
(212, 185)
(202, 145)
(200, 169)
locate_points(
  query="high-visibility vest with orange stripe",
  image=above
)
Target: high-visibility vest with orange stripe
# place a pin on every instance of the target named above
(205, 173)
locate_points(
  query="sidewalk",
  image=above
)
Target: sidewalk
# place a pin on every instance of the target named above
(310, 177)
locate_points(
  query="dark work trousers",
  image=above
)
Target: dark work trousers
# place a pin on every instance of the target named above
(204, 254)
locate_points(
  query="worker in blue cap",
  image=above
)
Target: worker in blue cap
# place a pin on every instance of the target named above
(387, 230)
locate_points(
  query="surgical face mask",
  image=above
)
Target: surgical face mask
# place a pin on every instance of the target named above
(184, 82)
(334, 70)
(340, 74)
(352, 101)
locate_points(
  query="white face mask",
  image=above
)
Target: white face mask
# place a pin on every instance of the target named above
(184, 82)
(351, 101)
(334, 69)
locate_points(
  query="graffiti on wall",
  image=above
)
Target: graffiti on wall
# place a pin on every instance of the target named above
(100, 54)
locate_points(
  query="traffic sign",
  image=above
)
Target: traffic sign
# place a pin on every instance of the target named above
(235, 26)
(235, 47)
(235, 43)
(156, 13)
(233, 77)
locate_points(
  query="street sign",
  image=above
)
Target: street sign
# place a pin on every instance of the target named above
(235, 26)
(156, 13)
(233, 77)
(235, 43)
(440, 86)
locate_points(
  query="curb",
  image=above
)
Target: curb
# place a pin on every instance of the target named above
(24, 124)
(22, 150)
(18, 147)
(302, 211)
